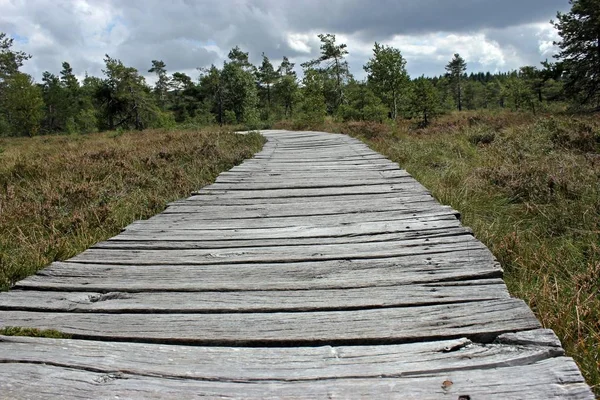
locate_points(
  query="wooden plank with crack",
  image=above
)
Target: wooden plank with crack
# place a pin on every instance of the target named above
(443, 267)
(256, 300)
(482, 321)
(551, 378)
(283, 364)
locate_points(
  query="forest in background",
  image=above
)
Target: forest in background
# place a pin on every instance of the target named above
(239, 92)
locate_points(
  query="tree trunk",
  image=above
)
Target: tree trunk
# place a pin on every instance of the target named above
(459, 96)
(395, 113)
(339, 82)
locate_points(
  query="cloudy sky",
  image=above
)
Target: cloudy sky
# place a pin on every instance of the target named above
(491, 35)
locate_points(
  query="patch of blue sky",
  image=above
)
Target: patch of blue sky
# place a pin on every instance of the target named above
(20, 39)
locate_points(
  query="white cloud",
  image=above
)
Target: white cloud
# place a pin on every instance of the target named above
(299, 42)
(547, 35)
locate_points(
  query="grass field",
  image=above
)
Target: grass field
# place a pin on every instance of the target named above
(61, 194)
(529, 186)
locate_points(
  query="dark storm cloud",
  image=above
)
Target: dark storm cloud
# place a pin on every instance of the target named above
(382, 18)
(187, 34)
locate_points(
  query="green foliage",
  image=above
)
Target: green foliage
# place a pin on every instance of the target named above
(286, 87)
(579, 53)
(229, 117)
(455, 70)
(162, 82)
(234, 88)
(424, 101)
(32, 332)
(386, 73)
(518, 95)
(240, 93)
(267, 77)
(124, 98)
(312, 106)
(5, 129)
(10, 60)
(22, 105)
(362, 104)
(334, 68)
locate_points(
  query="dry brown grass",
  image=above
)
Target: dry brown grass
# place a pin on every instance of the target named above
(61, 194)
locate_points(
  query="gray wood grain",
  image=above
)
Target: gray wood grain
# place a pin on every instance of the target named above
(282, 254)
(276, 363)
(287, 210)
(347, 230)
(199, 242)
(163, 221)
(553, 378)
(442, 267)
(256, 300)
(482, 320)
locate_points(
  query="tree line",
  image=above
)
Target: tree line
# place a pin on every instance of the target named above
(238, 92)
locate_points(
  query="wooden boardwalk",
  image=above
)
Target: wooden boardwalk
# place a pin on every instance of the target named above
(317, 269)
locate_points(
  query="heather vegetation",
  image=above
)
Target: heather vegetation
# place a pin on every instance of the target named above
(517, 153)
(61, 194)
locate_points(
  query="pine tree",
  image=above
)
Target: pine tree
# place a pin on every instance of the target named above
(332, 63)
(239, 87)
(23, 105)
(286, 86)
(580, 50)
(267, 77)
(162, 82)
(56, 110)
(456, 69)
(125, 97)
(10, 60)
(424, 101)
(362, 104)
(386, 72)
(313, 101)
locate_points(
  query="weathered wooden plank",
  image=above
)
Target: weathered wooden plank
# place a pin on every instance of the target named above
(163, 221)
(319, 168)
(482, 320)
(300, 253)
(254, 301)
(307, 201)
(278, 182)
(327, 191)
(327, 215)
(416, 203)
(351, 198)
(198, 242)
(553, 378)
(351, 175)
(309, 184)
(442, 267)
(348, 230)
(283, 364)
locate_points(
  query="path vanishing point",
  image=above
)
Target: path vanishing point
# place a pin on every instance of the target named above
(316, 269)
